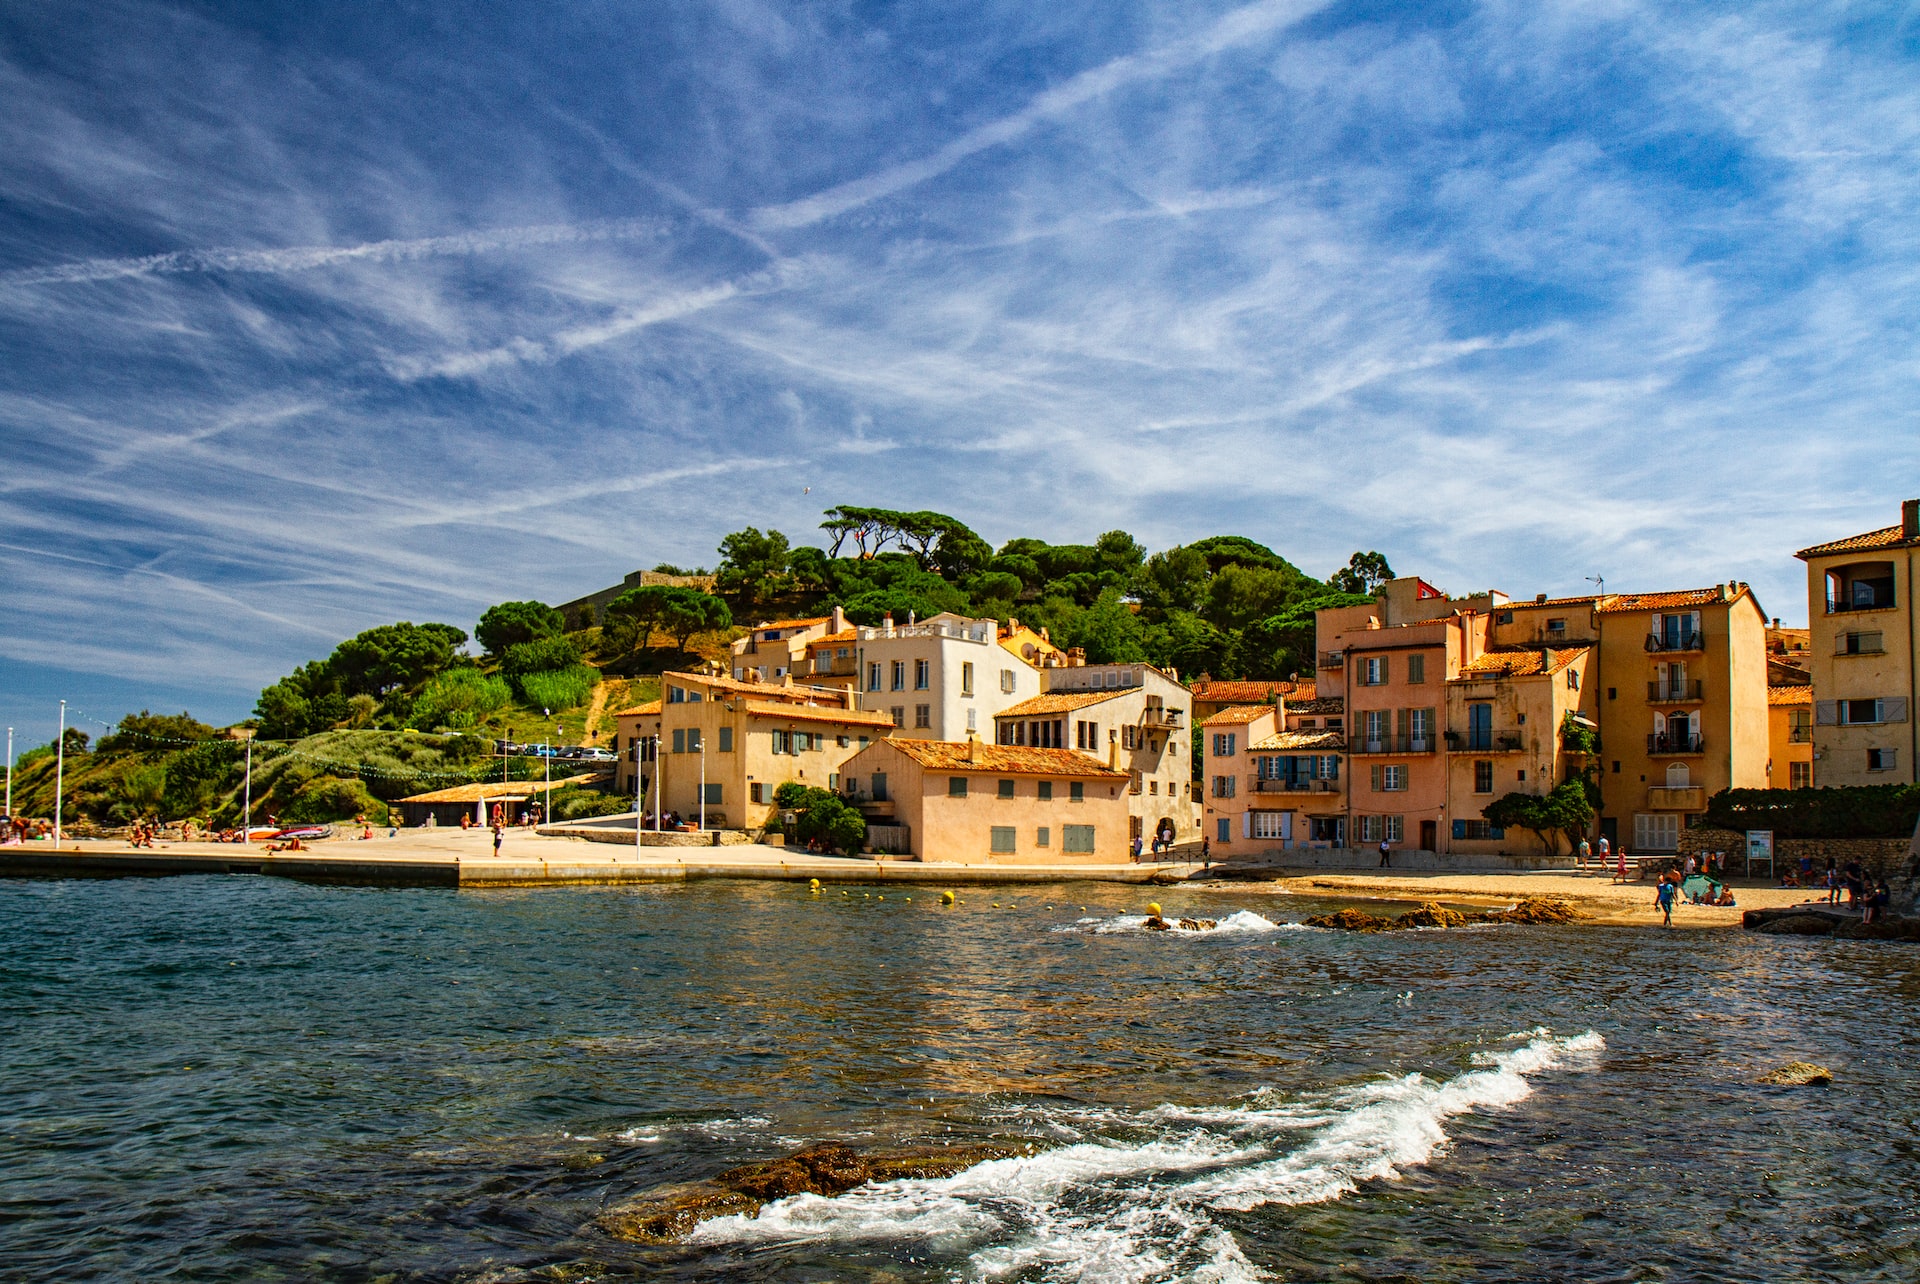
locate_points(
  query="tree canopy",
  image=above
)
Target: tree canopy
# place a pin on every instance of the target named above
(511, 623)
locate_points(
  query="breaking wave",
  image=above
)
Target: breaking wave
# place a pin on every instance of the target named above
(1134, 1200)
(1241, 921)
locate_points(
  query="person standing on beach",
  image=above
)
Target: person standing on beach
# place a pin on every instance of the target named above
(1386, 852)
(1664, 898)
(1586, 851)
(499, 832)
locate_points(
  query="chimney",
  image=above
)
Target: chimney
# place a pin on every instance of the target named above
(1013, 624)
(1044, 635)
(1539, 599)
(886, 625)
(839, 620)
(1113, 749)
(1776, 621)
(973, 747)
(1910, 519)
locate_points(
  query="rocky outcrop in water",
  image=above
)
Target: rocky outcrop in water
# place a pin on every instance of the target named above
(1777, 923)
(1798, 1074)
(831, 1168)
(1534, 909)
(1155, 923)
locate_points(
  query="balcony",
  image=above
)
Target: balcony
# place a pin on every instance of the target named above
(830, 668)
(1486, 741)
(1672, 642)
(1259, 786)
(1395, 744)
(1878, 602)
(1332, 659)
(1670, 744)
(1676, 798)
(1685, 691)
(1161, 717)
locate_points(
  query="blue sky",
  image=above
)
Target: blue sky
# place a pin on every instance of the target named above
(320, 316)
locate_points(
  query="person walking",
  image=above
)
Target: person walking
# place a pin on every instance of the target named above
(1586, 852)
(1206, 852)
(499, 832)
(1386, 853)
(1664, 899)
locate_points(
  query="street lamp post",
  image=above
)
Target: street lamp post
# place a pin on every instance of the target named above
(246, 815)
(9, 773)
(59, 772)
(703, 784)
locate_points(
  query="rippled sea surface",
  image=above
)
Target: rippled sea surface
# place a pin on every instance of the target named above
(247, 1079)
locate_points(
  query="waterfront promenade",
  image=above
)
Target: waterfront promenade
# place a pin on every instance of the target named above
(456, 858)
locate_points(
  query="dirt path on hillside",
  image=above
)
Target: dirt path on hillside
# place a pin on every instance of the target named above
(596, 707)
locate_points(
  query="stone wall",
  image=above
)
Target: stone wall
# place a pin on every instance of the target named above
(1405, 860)
(1888, 858)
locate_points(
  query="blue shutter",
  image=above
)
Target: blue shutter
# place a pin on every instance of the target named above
(1459, 829)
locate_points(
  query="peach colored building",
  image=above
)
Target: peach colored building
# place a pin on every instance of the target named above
(1211, 695)
(994, 804)
(1790, 737)
(776, 649)
(1509, 713)
(1274, 778)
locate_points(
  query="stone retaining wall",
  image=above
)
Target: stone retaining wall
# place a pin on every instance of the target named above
(650, 838)
(1888, 858)
(1403, 861)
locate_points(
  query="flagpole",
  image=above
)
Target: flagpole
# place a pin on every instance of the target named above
(9, 774)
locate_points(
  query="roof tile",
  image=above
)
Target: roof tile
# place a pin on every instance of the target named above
(1886, 537)
(1239, 714)
(975, 755)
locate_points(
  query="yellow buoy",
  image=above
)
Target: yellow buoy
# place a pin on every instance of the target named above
(1153, 908)
(909, 900)
(996, 904)
(946, 898)
(883, 898)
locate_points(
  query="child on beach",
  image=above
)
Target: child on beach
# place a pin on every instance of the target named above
(1664, 899)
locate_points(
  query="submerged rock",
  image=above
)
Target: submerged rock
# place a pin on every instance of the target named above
(1886, 929)
(1796, 1074)
(1352, 920)
(1155, 923)
(1197, 924)
(1796, 925)
(831, 1168)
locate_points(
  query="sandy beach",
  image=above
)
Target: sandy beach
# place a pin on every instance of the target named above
(1604, 901)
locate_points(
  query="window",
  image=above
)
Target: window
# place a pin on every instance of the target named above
(1001, 840)
(873, 676)
(1046, 791)
(1573, 679)
(757, 791)
(1087, 736)
(1416, 668)
(676, 695)
(1656, 831)
(879, 786)
(679, 740)
(1269, 824)
(1799, 726)
(1076, 838)
(899, 675)
(1882, 759)
(712, 797)
(1006, 789)
(921, 672)
(1505, 617)
(1396, 828)
(1153, 787)
(1127, 736)
(1223, 786)
(1389, 779)
(1043, 837)
(1420, 728)
(1556, 626)
(966, 678)
(841, 741)
(1378, 729)
(1373, 671)
(1477, 830)
(1861, 644)
(1799, 775)
(726, 740)
(1479, 726)
(899, 712)
(1225, 743)
(973, 720)
(1077, 791)
(1006, 681)
(782, 742)
(956, 786)
(1223, 830)
(1482, 777)
(922, 715)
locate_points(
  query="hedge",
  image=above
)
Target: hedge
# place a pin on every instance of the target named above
(1853, 811)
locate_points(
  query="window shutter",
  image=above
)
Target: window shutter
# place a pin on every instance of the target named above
(1246, 824)
(1459, 829)
(1893, 709)
(1378, 773)
(1233, 786)
(1826, 712)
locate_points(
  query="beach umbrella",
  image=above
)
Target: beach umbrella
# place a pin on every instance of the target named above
(1700, 885)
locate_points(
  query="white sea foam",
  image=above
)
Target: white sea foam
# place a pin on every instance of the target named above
(1136, 1204)
(1240, 921)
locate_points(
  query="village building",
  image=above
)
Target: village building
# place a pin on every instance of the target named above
(1211, 695)
(717, 749)
(1133, 718)
(993, 804)
(777, 649)
(1272, 783)
(942, 678)
(1519, 721)
(1790, 737)
(1865, 653)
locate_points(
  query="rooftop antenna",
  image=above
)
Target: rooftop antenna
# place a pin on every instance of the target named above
(1601, 580)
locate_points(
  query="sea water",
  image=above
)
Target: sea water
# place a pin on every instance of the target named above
(238, 1078)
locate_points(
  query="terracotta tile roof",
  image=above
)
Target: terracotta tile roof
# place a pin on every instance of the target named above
(761, 690)
(1256, 691)
(818, 713)
(1299, 740)
(651, 709)
(1517, 663)
(1530, 605)
(486, 791)
(1005, 760)
(1060, 702)
(1790, 695)
(845, 635)
(1620, 603)
(1239, 714)
(1318, 706)
(794, 624)
(1886, 537)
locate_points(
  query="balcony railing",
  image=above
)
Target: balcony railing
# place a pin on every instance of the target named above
(1682, 692)
(1871, 604)
(1256, 784)
(1671, 744)
(826, 667)
(1486, 741)
(1161, 717)
(1692, 641)
(1332, 659)
(1429, 743)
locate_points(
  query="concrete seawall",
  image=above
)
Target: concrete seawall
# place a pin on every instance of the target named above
(1403, 861)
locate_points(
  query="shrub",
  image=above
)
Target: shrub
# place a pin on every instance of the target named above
(1855, 811)
(560, 688)
(333, 798)
(457, 699)
(822, 816)
(577, 804)
(540, 656)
